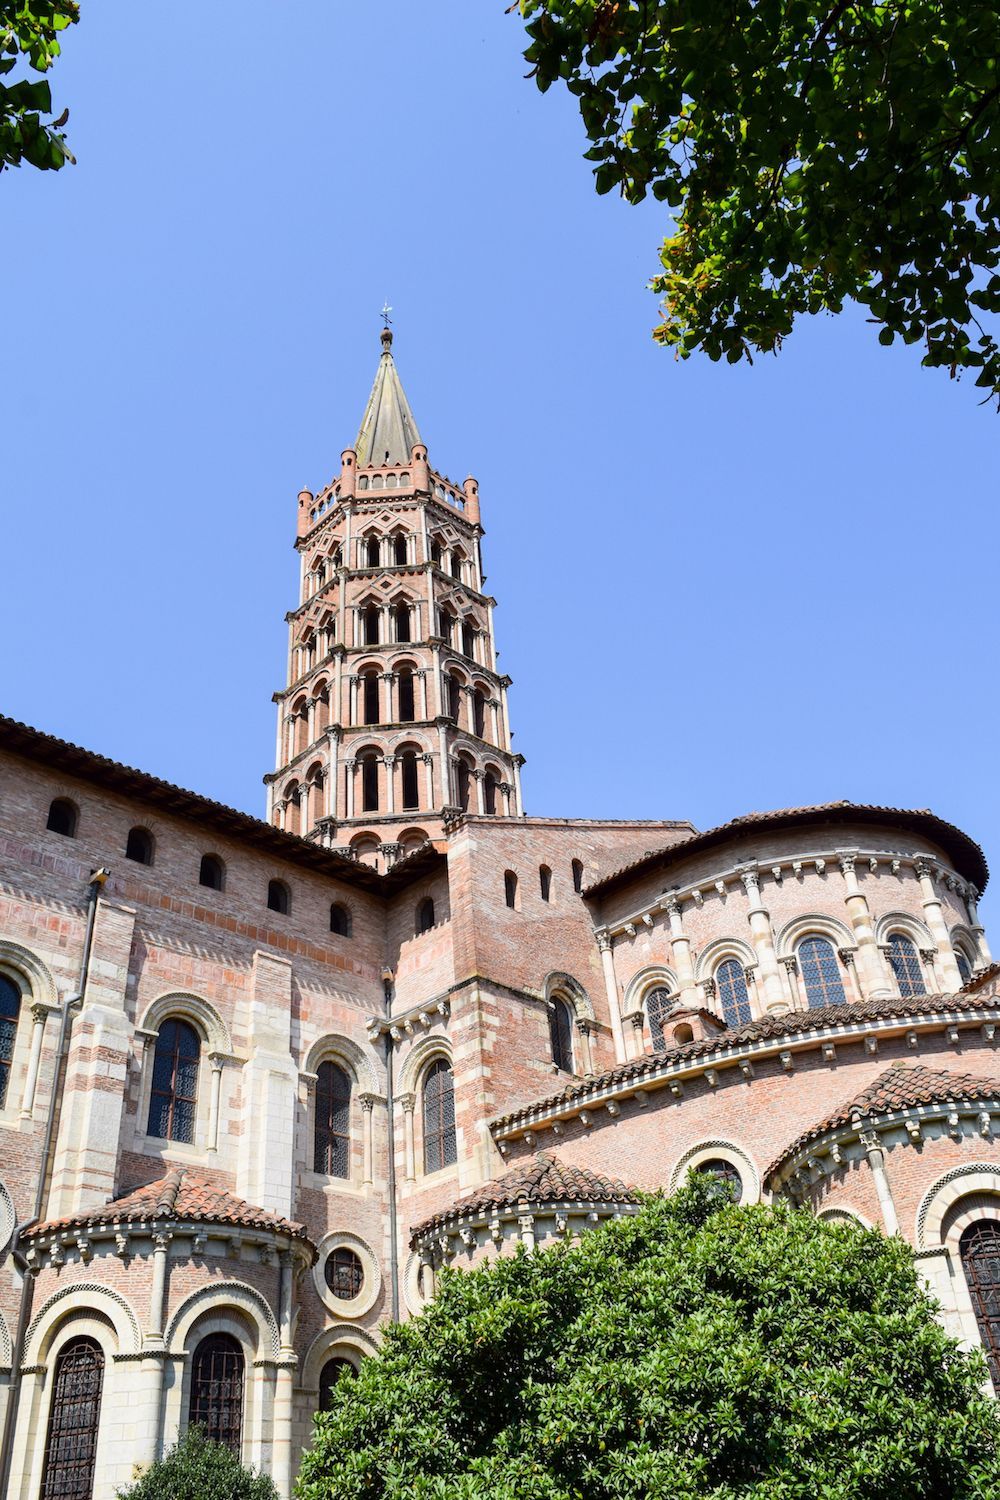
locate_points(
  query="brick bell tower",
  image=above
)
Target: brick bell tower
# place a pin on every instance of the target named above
(395, 717)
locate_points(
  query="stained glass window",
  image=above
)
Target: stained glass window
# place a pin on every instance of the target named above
(175, 1083)
(731, 986)
(440, 1145)
(10, 1009)
(216, 1404)
(332, 1137)
(979, 1248)
(73, 1422)
(905, 963)
(820, 972)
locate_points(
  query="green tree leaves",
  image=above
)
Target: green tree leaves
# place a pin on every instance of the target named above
(197, 1469)
(813, 151)
(695, 1349)
(29, 31)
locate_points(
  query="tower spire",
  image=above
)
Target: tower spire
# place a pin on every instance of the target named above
(388, 431)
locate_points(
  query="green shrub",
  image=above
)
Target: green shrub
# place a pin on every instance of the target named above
(198, 1469)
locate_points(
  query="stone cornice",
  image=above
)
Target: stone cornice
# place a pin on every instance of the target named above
(602, 1096)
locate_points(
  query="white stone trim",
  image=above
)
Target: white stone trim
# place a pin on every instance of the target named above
(418, 1060)
(337, 1048)
(839, 1213)
(188, 1007)
(347, 1342)
(88, 1298)
(27, 967)
(354, 1307)
(649, 978)
(8, 1216)
(217, 1298)
(571, 990)
(719, 950)
(974, 1177)
(736, 1155)
(910, 926)
(814, 924)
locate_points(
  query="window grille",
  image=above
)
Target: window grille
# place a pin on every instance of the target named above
(820, 972)
(659, 1004)
(561, 1035)
(344, 1273)
(726, 1176)
(71, 1446)
(979, 1249)
(905, 964)
(731, 985)
(332, 1134)
(174, 1094)
(440, 1145)
(10, 1010)
(217, 1389)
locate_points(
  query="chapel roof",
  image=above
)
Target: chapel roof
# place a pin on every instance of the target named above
(388, 430)
(900, 1087)
(180, 1195)
(966, 855)
(979, 994)
(542, 1178)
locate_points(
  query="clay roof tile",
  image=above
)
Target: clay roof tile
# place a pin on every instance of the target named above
(542, 1178)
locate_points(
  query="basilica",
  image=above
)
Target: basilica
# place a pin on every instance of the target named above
(263, 1080)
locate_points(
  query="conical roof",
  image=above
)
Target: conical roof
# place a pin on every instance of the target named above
(387, 431)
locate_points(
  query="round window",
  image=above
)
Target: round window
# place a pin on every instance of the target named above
(345, 1273)
(727, 1178)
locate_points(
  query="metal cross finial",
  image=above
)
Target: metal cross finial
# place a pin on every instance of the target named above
(386, 310)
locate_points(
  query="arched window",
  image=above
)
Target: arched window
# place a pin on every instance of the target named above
(369, 622)
(659, 1004)
(406, 705)
(440, 1147)
(545, 882)
(468, 638)
(74, 1418)
(979, 1249)
(332, 1131)
(216, 1404)
(425, 915)
(408, 772)
(479, 713)
(577, 875)
(561, 1034)
(334, 1371)
(490, 789)
(964, 967)
(278, 897)
(463, 777)
(369, 782)
(62, 818)
(403, 622)
(340, 920)
(212, 872)
(371, 707)
(725, 1175)
(399, 550)
(139, 846)
(820, 972)
(174, 1094)
(454, 696)
(10, 1010)
(732, 990)
(372, 552)
(905, 963)
(510, 889)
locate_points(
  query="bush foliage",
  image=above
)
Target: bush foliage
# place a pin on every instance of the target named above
(694, 1349)
(197, 1469)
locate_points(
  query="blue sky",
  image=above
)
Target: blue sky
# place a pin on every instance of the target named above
(721, 589)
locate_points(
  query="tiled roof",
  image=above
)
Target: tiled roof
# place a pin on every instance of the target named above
(981, 994)
(180, 1195)
(73, 760)
(898, 1088)
(541, 1179)
(966, 855)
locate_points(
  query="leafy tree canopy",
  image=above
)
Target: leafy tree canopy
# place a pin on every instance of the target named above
(696, 1349)
(811, 151)
(29, 32)
(197, 1469)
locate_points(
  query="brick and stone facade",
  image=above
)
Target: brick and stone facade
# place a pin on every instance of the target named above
(260, 1081)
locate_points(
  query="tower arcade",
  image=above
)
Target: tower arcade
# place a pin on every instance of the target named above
(394, 714)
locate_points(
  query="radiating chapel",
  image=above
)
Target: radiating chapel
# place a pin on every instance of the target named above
(263, 1081)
